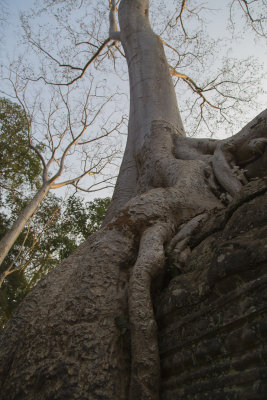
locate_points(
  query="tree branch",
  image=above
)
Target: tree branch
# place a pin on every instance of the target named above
(113, 28)
(83, 69)
(255, 23)
(193, 86)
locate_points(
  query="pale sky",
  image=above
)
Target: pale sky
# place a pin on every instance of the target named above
(248, 45)
(217, 25)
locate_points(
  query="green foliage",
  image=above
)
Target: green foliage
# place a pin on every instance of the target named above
(57, 227)
(12, 293)
(55, 232)
(18, 164)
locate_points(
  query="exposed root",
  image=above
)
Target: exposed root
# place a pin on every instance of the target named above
(176, 189)
(223, 161)
(186, 230)
(243, 148)
(145, 371)
(174, 162)
(178, 249)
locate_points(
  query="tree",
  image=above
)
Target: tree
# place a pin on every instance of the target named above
(18, 165)
(215, 89)
(56, 230)
(64, 136)
(74, 345)
(20, 168)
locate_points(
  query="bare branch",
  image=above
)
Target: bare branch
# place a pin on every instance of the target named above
(192, 85)
(71, 181)
(34, 43)
(83, 69)
(91, 189)
(257, 23)
(180, 19)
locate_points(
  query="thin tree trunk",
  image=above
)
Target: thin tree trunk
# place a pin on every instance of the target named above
(11, 236)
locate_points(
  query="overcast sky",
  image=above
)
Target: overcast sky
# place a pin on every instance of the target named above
(248, 45)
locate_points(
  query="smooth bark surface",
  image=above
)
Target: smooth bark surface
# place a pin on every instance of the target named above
(152, 95)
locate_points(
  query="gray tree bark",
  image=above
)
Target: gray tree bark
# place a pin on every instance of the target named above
(152, 95)
(87, 331)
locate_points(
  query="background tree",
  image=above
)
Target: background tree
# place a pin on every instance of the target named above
(168, 185)
(57, 136)
(56, 228)
(54, 232)
(20, 168)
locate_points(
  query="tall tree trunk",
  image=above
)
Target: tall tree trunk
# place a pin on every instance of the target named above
(87, 331)
(152, 95)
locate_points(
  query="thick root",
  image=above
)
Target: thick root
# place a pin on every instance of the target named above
(145, 373)
(240, 150)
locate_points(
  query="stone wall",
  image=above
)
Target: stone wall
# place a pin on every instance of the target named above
(212, 316)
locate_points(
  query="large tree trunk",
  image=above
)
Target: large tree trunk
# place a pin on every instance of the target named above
(152, 95)
(87, 331)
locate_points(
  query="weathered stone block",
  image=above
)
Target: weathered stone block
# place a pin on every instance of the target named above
(213, 317)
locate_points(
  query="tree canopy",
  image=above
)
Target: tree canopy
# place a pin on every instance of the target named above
(19, 165)
(55, 231)
(56, 228)
(213, 84)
